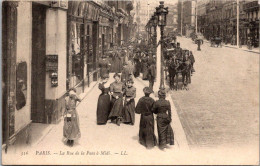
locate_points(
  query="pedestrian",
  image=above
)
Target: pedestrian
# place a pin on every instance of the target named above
(129, 106)
(178, 51)
(125, 73)
(146, 127)
(103, 106)
(145, 66)
(151, 73)
(162, 108)
(137, 63)
(117, 62)
(116, 90)
(71, 130)
(104, 66)
(192, 60)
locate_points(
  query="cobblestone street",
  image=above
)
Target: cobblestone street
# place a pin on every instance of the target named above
(221, 107)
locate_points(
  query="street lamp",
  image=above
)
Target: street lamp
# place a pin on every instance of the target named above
(154, 24)
(161, 13)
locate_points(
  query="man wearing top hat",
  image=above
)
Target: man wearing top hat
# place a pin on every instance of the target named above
(178, 51)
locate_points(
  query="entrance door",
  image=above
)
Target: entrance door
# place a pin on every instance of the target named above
(38, 63)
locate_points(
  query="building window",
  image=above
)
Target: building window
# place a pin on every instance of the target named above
(21, 85)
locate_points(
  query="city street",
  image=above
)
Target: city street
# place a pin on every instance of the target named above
(218, 114)
(221, 107)
(111, 139)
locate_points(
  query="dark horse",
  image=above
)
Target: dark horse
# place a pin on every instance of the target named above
(173, 71)
(185, 69)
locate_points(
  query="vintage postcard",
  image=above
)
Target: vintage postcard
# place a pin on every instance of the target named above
(130, 82)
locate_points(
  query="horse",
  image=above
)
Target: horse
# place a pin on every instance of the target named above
(173, 72)
(185, 69)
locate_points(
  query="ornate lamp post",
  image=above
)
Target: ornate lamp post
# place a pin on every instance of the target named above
(161, 13)
(155, 22)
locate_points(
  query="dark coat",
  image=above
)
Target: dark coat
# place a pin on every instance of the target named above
(146, 127)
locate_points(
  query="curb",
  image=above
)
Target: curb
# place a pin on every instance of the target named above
(179, 133)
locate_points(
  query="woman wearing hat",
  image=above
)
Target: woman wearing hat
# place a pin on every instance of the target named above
(71, 130)
(145, 66)
(117, 62)
(129, 107)
(151, 73)
(125, 73)
(162, 108)
(116, 90)
(146, 129)
(104, 66)
(103, 106)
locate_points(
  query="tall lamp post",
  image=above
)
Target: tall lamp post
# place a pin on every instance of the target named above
(161, 13)
(154, 23)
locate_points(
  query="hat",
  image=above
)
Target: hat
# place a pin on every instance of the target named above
(147, 90)
(116, 75)
(162, 93)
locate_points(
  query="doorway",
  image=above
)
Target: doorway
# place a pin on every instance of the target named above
(38, 63)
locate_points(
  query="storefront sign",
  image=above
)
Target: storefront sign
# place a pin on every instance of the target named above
(51, 62)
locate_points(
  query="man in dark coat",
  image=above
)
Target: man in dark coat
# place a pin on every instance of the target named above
(151, 73)
(137, 59)
(178, 51)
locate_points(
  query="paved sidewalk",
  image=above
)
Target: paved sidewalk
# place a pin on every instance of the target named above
(40, 130)
(179, 134)
(120, 142)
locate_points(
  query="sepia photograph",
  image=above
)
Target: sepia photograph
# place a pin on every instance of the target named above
(130, 82)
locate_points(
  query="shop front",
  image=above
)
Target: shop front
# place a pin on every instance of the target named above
(82, 44)
(33, 60)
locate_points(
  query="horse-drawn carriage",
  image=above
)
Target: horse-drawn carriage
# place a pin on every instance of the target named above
(215, 41)
(179, 67)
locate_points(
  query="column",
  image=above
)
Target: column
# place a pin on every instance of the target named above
(158, 62)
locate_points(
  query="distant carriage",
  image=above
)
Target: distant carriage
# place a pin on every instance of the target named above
(216, 41)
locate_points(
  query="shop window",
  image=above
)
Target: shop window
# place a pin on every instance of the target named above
(21, 85)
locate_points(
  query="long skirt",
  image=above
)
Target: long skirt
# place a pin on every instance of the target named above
(71, 129)
(145, 72)
(165, 132)
(146, 131)
(137, 69)
(112, 67)
(103, 108)
(129, 112)
(103, 71)
(117, 65)
(117, 108)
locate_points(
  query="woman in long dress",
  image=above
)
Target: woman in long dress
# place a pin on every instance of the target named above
(104, 66)
(129, 108)
(117, 63)
(146, 127)
(162, 108)
(145, 67)
(116, 90)
(71, 130)
(103, 106)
